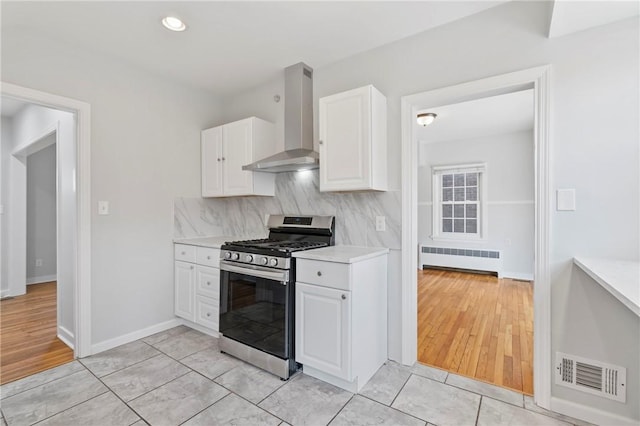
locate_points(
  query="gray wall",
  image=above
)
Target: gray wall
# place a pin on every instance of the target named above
(41, 213)
(510, 213)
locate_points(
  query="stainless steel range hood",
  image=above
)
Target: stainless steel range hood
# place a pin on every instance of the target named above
(298, 151)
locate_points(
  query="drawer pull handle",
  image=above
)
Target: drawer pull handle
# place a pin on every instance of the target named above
(208, 282)
(208, 314)
(184, 252)
(344, 297)
(208, 257)
(191, 267)
(319, 273)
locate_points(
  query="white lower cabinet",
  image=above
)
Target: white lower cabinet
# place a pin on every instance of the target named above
(323, 337)
(341, 319)
(197, 285)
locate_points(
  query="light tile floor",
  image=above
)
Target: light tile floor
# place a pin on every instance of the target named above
(180, 377)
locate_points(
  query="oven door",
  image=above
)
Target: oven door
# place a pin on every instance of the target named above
(256, 307)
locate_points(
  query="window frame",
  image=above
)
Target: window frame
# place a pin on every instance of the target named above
(436, 176)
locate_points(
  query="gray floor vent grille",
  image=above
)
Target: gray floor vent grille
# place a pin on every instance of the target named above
(594, 377)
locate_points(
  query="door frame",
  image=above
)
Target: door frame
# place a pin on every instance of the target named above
(539, 79)
(82, 291)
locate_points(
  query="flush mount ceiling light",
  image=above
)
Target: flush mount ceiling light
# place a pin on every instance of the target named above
(426, 118)
(174, 24)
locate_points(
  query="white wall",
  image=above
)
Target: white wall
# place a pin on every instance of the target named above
(509, 160)
(6, 143)
(145, 150)
(41, 213)
(594, 74)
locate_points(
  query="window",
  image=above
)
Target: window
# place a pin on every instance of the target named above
(458, 201)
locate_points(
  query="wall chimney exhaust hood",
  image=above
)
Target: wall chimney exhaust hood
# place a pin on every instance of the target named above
(298, 151)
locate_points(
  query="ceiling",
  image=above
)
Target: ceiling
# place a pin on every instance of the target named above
(496, 115)
(229, 46)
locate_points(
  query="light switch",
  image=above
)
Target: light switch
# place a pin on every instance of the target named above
(103, 207)
(381, 224)
(566, 199)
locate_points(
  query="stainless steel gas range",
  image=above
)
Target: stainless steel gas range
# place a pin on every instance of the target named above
(257, 291)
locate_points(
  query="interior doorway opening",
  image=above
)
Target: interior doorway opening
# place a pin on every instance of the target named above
(476, 214)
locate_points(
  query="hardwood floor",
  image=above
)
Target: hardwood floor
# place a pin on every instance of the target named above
(28, 335)
(477, 326)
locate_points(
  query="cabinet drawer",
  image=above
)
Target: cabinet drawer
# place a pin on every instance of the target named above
(184, 253)
(208, 282)
(208, 256)
(207, 312)
(326, 274)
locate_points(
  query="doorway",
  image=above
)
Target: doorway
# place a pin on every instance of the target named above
(476, 235)
(69, 119)
(538, 80)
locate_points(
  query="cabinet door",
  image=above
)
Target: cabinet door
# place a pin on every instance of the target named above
(345, 140)
(211, 156)
(237, 152)
(323, 329)
(185, 287)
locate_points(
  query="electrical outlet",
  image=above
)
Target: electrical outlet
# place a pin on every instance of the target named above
(381, 223)
(38, 262)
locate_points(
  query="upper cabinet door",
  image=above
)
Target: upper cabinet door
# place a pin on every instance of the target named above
(211, 156)
(237, 152)
(352, 143)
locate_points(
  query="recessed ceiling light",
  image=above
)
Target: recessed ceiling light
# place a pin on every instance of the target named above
(174, 24)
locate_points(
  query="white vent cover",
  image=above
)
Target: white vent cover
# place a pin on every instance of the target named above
(594, 377)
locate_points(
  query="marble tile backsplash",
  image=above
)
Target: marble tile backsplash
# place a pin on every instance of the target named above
(296, 193)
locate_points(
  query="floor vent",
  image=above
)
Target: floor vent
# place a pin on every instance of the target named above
(591, 376)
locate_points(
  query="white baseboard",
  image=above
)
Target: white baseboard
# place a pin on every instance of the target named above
(589, 414)
(200, 328)
(4, 293)
(67, 337)
(42, 279)
(139, 334)
(518, 276)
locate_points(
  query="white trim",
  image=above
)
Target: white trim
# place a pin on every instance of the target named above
(523, 276)
(589, 414)
(82, 110)
(66, 336)
(511, 203)
(4, 293)
(135, 335)
(42, 279)
(490, 203)
(200, 328)
(538, 78)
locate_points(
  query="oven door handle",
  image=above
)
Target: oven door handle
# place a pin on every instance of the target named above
(256, 271)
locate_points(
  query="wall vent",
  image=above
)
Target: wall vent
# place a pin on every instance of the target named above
(594, 377)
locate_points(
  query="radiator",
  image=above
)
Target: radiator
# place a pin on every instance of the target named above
(460, 258)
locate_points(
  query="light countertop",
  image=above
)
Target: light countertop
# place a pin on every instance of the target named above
(341, 254)
(618, 277)
(214, 242)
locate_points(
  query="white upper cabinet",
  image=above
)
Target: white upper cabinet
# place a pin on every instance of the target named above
(226, 148)
(353, 141)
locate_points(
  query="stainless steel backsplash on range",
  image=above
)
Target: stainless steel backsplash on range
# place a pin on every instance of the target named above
(296, 193)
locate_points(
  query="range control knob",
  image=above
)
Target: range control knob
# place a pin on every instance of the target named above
(236, 256)
(248, 258)
(227, 255)
(273, 262)
(264, 260)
